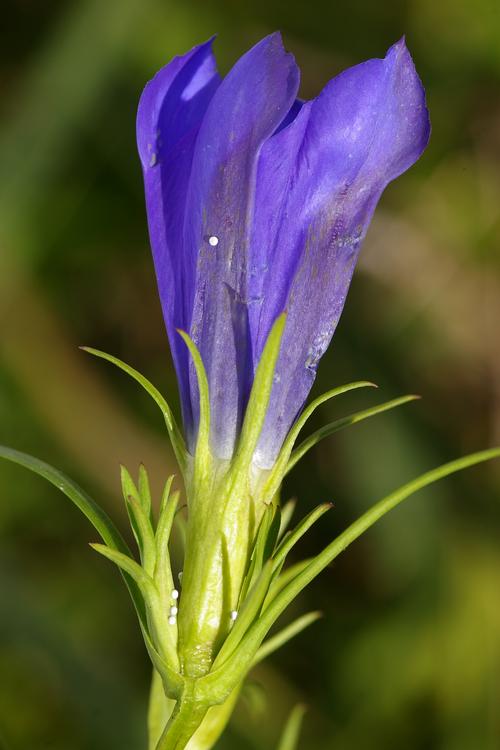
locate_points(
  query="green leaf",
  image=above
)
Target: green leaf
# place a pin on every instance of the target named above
(285, 635)
(145, 491)
(163, 570)
(174, 433)
(259, 397)
(287, 512)
(292, 538)
(95, 514)
(290, 737)
(91, 510)
(223, 679)
(280, 466)
(257, 558)
(203, 456)
(339, 424)
(247, 614)
(146, 537)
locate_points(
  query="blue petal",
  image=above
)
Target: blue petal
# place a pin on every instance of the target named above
(318, 183)
(245, 111)
(169, 116)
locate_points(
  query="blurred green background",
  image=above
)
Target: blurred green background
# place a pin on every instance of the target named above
(408, 652)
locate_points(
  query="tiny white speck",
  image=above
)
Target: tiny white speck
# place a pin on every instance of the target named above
(175, 594)
(172, 620)
(213, 241)
(173, 611)
(233, 615)
(180, 577)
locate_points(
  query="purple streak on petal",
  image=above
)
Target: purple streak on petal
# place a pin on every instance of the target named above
(169, 116)
(319, 180)
(246, 110)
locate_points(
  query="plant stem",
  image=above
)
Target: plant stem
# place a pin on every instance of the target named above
(184, 721)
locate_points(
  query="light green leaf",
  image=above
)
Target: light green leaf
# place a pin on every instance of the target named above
(280, 467)
(173, 430)
(339, 424)
(290, 737)
(285, 635)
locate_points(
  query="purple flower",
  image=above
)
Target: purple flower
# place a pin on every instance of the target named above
(258, 203)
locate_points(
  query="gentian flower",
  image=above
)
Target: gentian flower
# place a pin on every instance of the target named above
(257, 204)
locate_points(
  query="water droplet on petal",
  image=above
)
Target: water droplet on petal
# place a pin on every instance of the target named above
(213, 241)
(153, 161)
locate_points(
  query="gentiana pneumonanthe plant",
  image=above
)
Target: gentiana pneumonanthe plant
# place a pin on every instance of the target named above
(257, 205)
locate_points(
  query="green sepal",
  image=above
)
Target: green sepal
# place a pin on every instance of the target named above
(280, 467)
(203, 456)
(339, 424)
(285, 635)
(145, 492)
(260, 394)
(219, 682)
(173, 682)
(174, 432)
(291, 733)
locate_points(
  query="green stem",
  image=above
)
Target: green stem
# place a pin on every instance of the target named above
(187, 716)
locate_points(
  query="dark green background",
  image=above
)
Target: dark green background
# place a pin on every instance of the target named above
(408, 653)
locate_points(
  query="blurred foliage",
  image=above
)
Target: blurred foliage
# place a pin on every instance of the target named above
(408, 652)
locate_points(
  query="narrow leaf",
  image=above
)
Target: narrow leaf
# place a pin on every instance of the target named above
(95, 514)
(247, 614)
(285, 635)
(291, 539)
(339, 424)
(287, 512)
(175, 434)
(145, 533)
(291, 733)
(280, 466)
(145, 490)
(163, 570)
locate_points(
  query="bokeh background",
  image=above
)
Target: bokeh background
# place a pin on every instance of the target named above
(408, 652)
